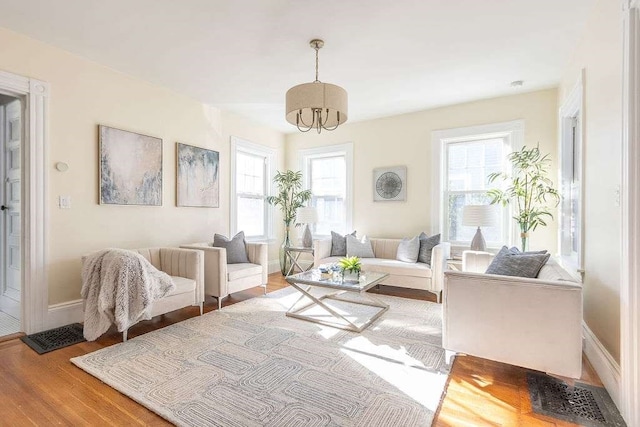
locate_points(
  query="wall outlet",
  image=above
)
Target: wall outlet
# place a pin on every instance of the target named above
(64, 202)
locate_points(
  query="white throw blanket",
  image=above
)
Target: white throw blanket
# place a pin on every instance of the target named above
(119, 286)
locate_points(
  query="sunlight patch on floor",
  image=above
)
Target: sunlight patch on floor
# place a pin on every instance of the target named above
(399, 369)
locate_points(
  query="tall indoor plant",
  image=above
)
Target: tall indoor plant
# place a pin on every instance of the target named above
(528, 188)
(290, 197)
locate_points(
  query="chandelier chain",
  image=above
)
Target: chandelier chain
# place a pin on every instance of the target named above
(317, 49)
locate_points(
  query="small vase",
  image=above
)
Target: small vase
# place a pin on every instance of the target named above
(525, 241)
(285, 261)
(350, 276)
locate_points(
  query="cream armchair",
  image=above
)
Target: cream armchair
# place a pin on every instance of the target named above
(222, 279)
(186, 268)
(533, 323)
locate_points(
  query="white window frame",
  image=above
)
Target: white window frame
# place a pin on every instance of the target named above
(270, 154)
(512, 132)
(570, 111)
(346, 150)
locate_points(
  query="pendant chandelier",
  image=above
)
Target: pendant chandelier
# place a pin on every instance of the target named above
(316, 105)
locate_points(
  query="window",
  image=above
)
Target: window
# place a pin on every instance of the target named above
(328, 174)
(252, 171)
(463, 158)
(571, 222)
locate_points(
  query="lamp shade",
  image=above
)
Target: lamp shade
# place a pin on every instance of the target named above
(308, 97)
(479, 215)
(307, 215)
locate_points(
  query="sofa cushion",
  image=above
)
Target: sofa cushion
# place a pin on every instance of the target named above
(508, 262)
(395, 267)
(339, 243)
(183, 285)
(236, 247)
(241, 270)
(360, 248)
(408, 250)
(553, 271)
(426, 246)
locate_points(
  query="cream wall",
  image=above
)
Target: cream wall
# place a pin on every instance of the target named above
(85, 94)
(406, 140)
(600, 55)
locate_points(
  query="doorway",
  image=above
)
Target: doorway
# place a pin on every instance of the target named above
(11, 137)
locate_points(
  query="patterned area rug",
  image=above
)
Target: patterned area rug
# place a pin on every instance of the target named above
(250, 365)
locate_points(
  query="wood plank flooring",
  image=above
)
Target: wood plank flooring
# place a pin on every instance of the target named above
(48, 389)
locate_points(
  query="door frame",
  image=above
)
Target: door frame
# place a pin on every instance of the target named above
(630, 192)
(35, 219)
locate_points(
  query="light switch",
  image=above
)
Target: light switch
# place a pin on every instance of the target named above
(616, 196)
(64, 202)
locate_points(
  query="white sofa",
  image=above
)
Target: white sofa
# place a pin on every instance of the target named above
(222, 279)
(402, 274)
(533, 323)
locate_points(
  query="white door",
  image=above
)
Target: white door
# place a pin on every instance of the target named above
(10, 282)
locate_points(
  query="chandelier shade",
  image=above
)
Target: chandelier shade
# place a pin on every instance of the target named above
(316, 105)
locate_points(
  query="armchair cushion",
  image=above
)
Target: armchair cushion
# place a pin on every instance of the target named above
(183, 285)
(238, 271)
(510, 262)
(236, 247)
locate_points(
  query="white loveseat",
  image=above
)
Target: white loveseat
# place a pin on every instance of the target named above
(402, 274)
(533, 323)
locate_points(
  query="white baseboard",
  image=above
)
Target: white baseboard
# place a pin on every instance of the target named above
(274, 266)
(606, 367)
(64, 314)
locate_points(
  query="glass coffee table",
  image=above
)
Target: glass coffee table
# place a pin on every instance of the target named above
(305, 281)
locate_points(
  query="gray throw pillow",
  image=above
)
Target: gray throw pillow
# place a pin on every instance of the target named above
(236, 247)
(339, 244)
(426, 245)
(510, 262)
(360, 248)
(408, 250)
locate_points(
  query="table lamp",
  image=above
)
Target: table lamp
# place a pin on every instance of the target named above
(479, 216)
(307, 215)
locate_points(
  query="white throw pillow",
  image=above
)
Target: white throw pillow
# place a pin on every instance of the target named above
(408, 250)
(360, 248)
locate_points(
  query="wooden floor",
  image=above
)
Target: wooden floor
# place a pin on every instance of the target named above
(48, 389)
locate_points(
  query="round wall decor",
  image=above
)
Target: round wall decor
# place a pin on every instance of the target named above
(390, 184)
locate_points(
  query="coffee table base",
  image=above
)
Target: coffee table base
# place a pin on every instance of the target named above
(318, 301)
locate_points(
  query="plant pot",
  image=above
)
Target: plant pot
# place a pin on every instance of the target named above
(350, 276)
(285, 261)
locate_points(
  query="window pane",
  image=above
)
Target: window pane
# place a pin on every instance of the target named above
(331, 214)
(328, 176)
(251, 216)
(460, 233)
(470, 162)
(250, 173)
(329, 186)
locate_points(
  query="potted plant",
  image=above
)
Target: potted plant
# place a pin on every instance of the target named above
(351, 267)
(529, 189)
(290, 197)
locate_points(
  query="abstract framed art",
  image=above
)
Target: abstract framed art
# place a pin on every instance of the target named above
(130, 168)
(390, 184)
(197, 179)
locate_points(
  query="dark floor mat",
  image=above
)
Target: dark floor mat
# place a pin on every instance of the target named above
(581, 404)
(53, 339)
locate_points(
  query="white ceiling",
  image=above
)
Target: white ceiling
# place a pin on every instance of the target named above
(391, 56)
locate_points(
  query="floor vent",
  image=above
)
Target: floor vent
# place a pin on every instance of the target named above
(53, 339)
(581, 404)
